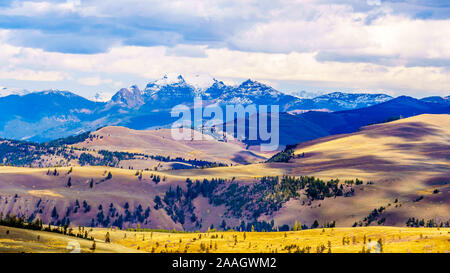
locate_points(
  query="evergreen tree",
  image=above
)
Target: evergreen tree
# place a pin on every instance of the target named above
(109, 176)
(55, 213)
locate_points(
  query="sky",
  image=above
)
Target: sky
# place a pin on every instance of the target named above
(89, 46)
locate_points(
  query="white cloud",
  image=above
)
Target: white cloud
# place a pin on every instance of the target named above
(224, 64)
(392, 40)
(94, 81)
(27, 8)
(33, 75)
(313, 42)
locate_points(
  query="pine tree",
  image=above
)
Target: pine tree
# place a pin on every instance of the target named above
(55, 213)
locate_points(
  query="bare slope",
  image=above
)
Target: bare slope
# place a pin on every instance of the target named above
(161, 142)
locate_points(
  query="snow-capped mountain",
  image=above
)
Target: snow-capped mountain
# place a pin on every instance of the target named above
(51, 114)
(172, 90)
(342, 101)
(5, 91)
(305, 94)
(130, 97)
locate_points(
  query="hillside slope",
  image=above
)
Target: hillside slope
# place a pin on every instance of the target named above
(404, 166)
(161, 142)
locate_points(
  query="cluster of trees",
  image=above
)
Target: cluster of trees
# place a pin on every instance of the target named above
(258, 226)
(413, 222)
(247, 201)
(111, 216)
(113, 159)
(107, 158)
(23, 154)
(270, 193)
(194, 162)
(156, 178)
(283, 156)
(37, 224)
(372, 217)
(178, 202)
(70, 139)
(389, 119)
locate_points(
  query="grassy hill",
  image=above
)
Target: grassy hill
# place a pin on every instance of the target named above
(160, 142)
(385, 174)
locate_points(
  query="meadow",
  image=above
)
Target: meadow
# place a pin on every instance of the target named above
(327, 240)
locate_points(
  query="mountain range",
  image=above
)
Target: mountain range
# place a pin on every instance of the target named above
(46, 115)
(315, 124)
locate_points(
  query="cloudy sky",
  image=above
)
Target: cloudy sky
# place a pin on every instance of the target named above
(88, 46)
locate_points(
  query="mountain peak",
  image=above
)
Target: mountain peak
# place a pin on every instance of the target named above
(250, 82)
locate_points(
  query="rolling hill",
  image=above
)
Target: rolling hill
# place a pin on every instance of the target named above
(389, 174)
(161, 142)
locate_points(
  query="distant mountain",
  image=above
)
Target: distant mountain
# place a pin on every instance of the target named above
(128, 97)
(167, 92)
(314, 124)
(437, 99)
(5, 91)
(46, 115)
(343, 101)
(306, 95)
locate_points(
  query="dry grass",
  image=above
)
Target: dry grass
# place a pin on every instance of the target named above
(394, 240)
(15, 240)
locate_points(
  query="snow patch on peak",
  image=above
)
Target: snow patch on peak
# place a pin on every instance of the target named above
(200, 82)
(101, 97)
(169, 79)
(5, 91)
(196, 81)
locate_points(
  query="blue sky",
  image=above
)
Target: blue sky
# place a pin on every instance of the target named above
(397, 47)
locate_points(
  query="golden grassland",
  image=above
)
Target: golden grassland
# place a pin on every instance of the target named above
(17, 240)
(328, 240)
(334, 240)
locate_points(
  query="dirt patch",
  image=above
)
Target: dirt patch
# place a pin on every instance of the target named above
(45, 193)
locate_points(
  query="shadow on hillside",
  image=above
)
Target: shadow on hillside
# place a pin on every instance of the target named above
(438, 181)
(243, 157)
(366, 163)
(432, 150)
(412, 131)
